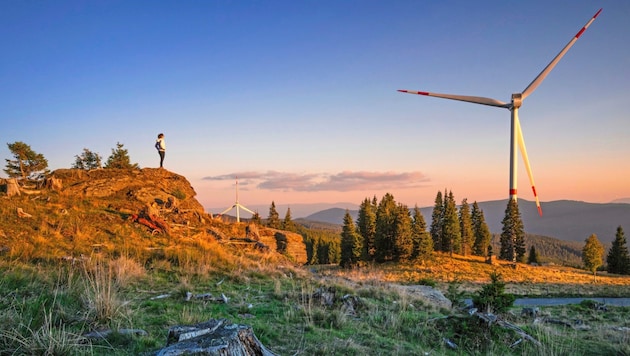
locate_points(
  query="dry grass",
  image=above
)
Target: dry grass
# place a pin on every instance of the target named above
(472, 271)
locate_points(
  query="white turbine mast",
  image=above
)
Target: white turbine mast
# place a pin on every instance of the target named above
(238, 206)
(516, 136)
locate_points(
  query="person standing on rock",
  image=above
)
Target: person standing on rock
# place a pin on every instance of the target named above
(160, 145)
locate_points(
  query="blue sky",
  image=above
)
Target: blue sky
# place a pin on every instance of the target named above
(298, 98)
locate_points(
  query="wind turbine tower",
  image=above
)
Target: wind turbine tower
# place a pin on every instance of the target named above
(516, 135)
(238, 206)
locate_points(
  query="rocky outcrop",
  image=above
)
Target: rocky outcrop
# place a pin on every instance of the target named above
(285, 242)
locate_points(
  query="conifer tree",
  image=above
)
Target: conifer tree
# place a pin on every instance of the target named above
(273, 220)
(466, 228)
(422, 241)
(618, 259)
(351, 246)
(451, 234)
(533, 256)
(385, 229)
(403, 244)
(480, 230)
(593, 254)
(87, 160)
(120, 158)
(287, 223)
(512, 234)
(26, 161)
(366, 225)
(256, 218)
(436, 222)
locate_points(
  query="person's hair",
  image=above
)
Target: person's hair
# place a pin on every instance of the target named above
(160, 135)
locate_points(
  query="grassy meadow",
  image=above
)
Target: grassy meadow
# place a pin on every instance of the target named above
(77, 266)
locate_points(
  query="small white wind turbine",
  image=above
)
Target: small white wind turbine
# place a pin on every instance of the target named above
(516, 136)
(238, 206)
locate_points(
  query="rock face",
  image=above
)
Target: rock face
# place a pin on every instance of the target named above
(285, 242)
(213, 337)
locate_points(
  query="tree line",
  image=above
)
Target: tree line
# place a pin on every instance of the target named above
(26, 163)
(389, 231)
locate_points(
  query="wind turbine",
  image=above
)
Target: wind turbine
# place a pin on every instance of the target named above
(238, 206)
(516, 136)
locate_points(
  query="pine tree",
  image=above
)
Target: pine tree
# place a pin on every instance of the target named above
(403, 244)
(533, 256)
(451, 234)
(87, 160)
(466, 228)
(288, 223)
(273, 220)
(512, 234)
(26, 163)
(593, 254)
(618, 259)
(481, 231)
(366, 225)
(422, 241)
(436, 222)
(351, 246)
(385, 229)
(120, 158)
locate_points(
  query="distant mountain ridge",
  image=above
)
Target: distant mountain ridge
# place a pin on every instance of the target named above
(566, 220)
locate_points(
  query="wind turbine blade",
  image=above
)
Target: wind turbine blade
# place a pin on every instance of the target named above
(226, 210)
(469, 99)
(247, 210)
(536, 82)
(521, 143)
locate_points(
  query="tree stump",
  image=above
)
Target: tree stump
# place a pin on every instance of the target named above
(12, 187)
(213, 337)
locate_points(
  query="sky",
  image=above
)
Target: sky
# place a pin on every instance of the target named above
(298, 99)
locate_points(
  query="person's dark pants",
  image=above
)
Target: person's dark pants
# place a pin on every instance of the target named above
(162, 153)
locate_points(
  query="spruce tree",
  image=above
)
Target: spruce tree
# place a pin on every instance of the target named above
(533, 256)
(593, 254)
(366, 225)
(512, 234)
(451, 234)
(287, 223)
(120, 158)
(466, 228)
(618, 259)
(481, 231)
(273, 220)
(403, 243)
(422, 241)
(436, 222)
(26, 162)
(385, 229)
(351, 246)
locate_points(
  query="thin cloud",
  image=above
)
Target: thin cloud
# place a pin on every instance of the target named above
(315, 182)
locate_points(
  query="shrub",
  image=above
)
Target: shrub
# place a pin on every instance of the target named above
(492, 297)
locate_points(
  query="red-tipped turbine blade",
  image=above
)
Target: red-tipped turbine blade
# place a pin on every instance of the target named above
(536, 82)
(521, 143)
(466, 98)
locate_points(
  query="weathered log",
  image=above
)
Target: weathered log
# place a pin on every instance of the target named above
(213, 337)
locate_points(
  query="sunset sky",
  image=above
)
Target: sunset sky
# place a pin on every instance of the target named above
(299, 98)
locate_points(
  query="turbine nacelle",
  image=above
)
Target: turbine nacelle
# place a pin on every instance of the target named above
(517, 101)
